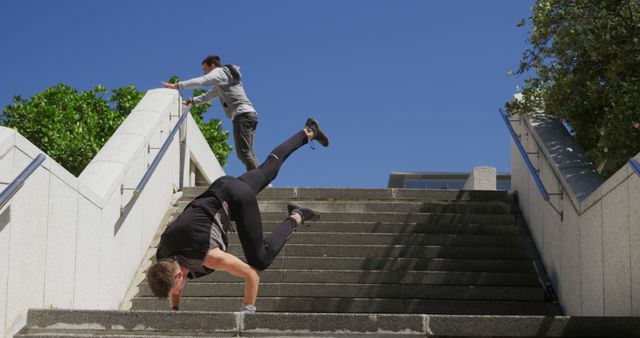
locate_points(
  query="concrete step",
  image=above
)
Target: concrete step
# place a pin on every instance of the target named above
(307, 237)
(401, 264)
(400, 218)
(404, 218)
(395, 251)
(369, 194)
(436, 207)
(391, 251)
(358, 290)
(372, 227)
(95, 323)
(386, 239)
(383, 277)
(355, 305)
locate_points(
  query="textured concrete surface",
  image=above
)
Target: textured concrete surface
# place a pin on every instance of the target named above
(592, 274)
(634, 238)
(596, 227)
(163, 323)
(616, 260)
(481, 178)
(65, 243)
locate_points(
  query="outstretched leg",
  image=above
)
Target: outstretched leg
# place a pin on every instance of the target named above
(260, 177)
(258, 250)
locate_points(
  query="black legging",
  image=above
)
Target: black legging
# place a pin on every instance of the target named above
(243, 206)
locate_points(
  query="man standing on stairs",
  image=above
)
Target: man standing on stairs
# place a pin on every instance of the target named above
(195, 244)
(227, 85)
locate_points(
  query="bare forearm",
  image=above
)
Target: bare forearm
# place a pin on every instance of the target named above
(174, 301)
(217, 259)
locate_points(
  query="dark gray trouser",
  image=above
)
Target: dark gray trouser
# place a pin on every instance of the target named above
(244, 129)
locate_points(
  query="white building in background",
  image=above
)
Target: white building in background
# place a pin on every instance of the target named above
(448, 180)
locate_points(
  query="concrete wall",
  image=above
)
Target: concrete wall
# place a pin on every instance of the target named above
(592, 251)
(63, 243)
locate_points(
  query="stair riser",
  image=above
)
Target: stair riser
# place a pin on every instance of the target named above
(310, 290)
(394, 251)
(369, 194)
(398, 229)
(399, 207)
(383, 277)
(347, 305)
(389, 239)
(403, 218)
(401, 264)
(400, 218)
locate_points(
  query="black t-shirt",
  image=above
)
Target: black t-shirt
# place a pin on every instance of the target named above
(190, 236)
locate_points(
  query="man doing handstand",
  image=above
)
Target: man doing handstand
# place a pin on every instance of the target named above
(195, 244)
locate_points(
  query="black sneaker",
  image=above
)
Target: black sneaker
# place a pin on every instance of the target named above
(305, 213)
(317, 132)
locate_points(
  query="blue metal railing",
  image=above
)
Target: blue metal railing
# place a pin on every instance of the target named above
(525, 157)
(18, 182)
(635, 165)
(152, 168)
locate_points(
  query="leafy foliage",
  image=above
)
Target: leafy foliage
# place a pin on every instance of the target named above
(584, 68)
(216, 137)
(70, 126)
(126, 98)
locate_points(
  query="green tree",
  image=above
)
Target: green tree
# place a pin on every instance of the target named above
(583, 64)
(69, 125)
(125, 99)
(217, 138)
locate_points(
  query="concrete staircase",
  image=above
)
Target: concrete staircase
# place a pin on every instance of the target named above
(374, 252)
(380, 262)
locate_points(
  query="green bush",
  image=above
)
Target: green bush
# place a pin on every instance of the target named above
(583, 64)
(71, 126)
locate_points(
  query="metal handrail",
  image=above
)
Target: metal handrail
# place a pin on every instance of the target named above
(635, 166)
(523, 153)
(143, 182)
(163, 150)
(18, 182)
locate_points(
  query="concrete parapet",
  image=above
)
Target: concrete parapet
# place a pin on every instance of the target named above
(65, 241)
(585, 230)
(481, 178)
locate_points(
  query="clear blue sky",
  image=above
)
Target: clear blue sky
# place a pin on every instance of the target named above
(410, 85)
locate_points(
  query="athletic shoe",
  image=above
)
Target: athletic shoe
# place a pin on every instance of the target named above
(317, 132)
(305, 213)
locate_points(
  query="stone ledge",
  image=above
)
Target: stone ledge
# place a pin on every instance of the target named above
(301, 324)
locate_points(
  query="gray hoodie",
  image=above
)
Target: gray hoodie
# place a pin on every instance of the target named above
(229, 88)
